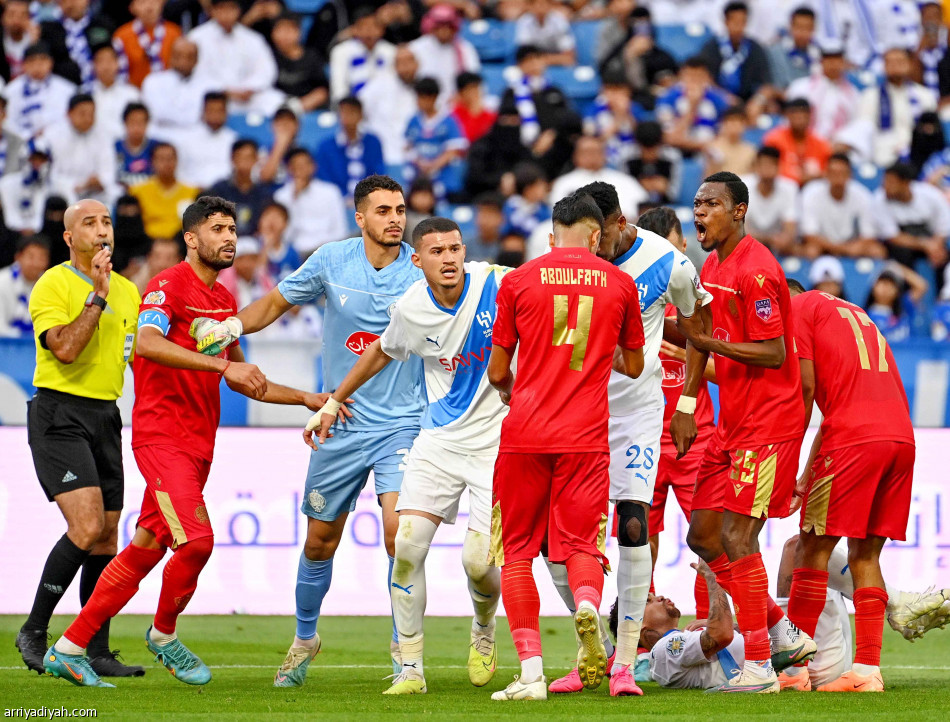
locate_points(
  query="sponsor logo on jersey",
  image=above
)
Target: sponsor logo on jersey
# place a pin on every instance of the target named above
(162, 283)
(763, 309)
(343, 299)
(201, 514)
(359, 341)
(434, 341)
(674, 373)
(156, 297)
(68, 477)
(465, 361)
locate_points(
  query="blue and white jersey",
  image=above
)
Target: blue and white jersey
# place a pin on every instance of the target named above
(663, 275)
(464, 412)
(360, 301)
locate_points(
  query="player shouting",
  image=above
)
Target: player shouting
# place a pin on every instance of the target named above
(174, 420)
(858, 481)
(446, 320)
(361, 279)
(749, 467)
(567, 312)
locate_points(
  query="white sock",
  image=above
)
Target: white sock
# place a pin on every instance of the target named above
(160, 638)
(779, 634)
(532, 669)
(633, 585)
(559, 577)
(484, 580)
(865, 670)
(839, 578)
(408, 588)
(305, 643)
(64, 646)
(758, 670)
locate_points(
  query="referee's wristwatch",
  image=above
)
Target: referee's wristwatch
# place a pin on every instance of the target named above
(94, 299)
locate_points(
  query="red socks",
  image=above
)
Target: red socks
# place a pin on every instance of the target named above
(585, 575)
(523, 606)
(179, 581)
(701, 593)
(807, 598)
(749, 587)
(721, 567)
(870, 604)
(117, 584)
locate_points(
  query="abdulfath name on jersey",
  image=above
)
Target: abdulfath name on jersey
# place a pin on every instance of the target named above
(574, 277)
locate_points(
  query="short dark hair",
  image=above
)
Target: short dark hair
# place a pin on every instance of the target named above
(796, 104)
(281, 208)
(738, 191)
(426, 86)
(649, 134)
(463, 80)
(434, 224)
(735, 6)
(804, 11)
(290, 17)
(214, 95)
(843, 157)
(696, 63)
(576, 208)
(527, 51)
(661, 220)
(527, 174)
(769, 151)
(903, 170)
(135, 108)
(734, 111)
(244, 143)
(203, 208)
(795, 285)
(490, 198)
(604, 195)
(105, 46)
(158, 146)
(295, 151)
(374, 183)
(352, 101)
(35, 240)
(79, 99)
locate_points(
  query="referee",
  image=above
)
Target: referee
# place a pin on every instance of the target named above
(84, 318)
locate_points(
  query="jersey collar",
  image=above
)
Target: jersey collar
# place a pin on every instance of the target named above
(630, 251)
(452, 311)
(404, 250)
(79, 273)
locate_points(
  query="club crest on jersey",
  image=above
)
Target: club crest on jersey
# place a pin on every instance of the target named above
(675, 646)
(484, 319)
(317, 501)
(156, 297)
(359, 341)
(392, 307)
(763, 309)
(642, 290)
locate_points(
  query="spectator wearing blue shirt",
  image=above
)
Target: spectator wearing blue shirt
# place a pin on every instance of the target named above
(352, 154)
(738, 63)
(689, 111)
(134, 151)
(526, 209)
(894, 301)
(435, 143)
(249, 197)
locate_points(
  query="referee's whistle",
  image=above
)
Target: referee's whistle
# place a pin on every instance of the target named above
(106, 246)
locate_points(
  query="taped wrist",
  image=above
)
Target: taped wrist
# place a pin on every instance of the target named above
(628, 511)
(686, 404)
(331, 407)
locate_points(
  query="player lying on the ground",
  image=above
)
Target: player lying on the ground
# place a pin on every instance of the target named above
(447, 321)
(662, 275)
(361, 279)
(551, 478)
(857, 482)
(174, 421)
(709, 652)
(749, 466)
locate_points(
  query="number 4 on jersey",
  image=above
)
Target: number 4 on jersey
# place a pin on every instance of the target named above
(577, 336)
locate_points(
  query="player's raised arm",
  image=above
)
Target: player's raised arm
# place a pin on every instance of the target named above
(719, 630)
(371, 362)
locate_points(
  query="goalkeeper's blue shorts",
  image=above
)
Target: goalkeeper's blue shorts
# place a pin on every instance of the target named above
(341, 465)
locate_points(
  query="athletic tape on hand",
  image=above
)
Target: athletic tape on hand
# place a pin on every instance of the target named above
(331, 407)
(686, 405)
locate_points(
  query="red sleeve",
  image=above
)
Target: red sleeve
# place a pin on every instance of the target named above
(631, 333)
(504, 332)
(804, 308)
(763, 317)
(159, 296)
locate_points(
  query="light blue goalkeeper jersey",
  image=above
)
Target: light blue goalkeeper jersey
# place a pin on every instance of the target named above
(360, 302)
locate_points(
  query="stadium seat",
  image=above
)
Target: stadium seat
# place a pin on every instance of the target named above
(314, 127)
(494, 78)
(580, 83)
(587, 35)
(464, 215)
(396, 171)
(682, 41)
(494, 40)
(254, 127)
(690, 179)
(755, 134)
(869, 175)
(859, 274)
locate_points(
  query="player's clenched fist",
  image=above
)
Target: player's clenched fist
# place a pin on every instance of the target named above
(212, 337)
(246, 379)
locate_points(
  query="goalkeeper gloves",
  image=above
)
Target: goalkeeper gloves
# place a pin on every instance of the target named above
(212, 337)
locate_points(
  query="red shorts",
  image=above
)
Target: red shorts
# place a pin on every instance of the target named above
(561, 497)
(861, 491)
(173, 508)
(757, 481)
(676, 474)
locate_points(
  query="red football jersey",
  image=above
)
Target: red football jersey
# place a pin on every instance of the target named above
(857, 384)
(567, 312)
(674, 378)
(757, 406)
(178, 407)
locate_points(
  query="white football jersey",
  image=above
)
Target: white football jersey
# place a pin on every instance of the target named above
(464, 411)
(663, 275)
(677, 660)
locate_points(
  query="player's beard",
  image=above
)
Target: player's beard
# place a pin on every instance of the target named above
(215, 260)
(382, 239)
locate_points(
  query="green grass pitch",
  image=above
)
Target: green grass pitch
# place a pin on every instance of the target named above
(346, 679)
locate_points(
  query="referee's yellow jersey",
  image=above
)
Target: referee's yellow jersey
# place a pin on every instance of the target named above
(58, 298)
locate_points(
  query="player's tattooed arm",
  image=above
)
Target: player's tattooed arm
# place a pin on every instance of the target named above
(719, 629)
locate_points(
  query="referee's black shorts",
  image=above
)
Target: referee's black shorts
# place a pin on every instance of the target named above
(76, 442)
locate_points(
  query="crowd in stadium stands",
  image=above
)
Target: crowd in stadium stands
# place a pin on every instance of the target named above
(832, 111)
